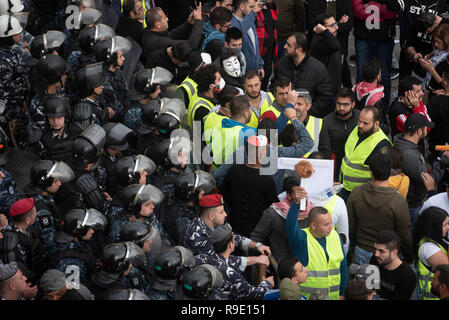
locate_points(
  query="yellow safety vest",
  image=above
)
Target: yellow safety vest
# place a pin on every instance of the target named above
(190, 87)
(212, 120)
(354, 171)
(330, 205)
(313, 127)
(144, 10)
(194, 104)
(224, 143)
(266, 106)
(424, 275)
(322, 274)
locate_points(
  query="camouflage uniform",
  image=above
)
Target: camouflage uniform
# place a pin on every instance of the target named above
(235, 286)
(68, 253)
(13, 89)
(133, 116)
(197, 240)
(115, 93)
(8, 192)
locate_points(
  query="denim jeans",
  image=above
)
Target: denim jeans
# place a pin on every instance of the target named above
(383, 52)
(361, 256)
(414, 212)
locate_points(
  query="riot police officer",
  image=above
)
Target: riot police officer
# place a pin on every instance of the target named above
(199, 283)
(171, 156)
(139, 201)
(21, 241)
(116, 261)
(168, 267)
(52, 73)
(90, 81)
(72, 251)
(178, 213)
(130, 170)
(149, 113)
(149, 239)
(145, 88)
(46, 177)
(112, 53)
(56, 140)
(116, 142)
(13, 72)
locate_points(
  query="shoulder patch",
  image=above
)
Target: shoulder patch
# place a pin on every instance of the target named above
(45, 221)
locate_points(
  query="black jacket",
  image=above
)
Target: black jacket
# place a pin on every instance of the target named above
(311, 74)
(343, 7)
(127, 27)
(326, 48)
(160, 58)
(155, 40)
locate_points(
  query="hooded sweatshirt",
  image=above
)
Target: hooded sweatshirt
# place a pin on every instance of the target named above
(414, 165)
(210, 33)
(372, 209)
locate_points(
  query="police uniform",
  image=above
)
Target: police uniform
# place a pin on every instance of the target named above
(197, 236)
(68, 253)
(115, 93)
(176, 218)
(13, 88)
(54, 146)
(235, 286)
(8, 192)
(133, 115)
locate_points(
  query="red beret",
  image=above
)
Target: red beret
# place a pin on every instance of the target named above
(21, 206)
(270, 115)
(211, 201)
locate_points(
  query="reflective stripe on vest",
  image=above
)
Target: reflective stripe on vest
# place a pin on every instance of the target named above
(193, 106)
(266, 106)
(314, 128)
(190, 87)
(212, 120)
(425, 275)
(353, 168)
(322, 274)
(224, 141)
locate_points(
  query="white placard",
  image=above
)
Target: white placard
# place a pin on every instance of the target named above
(320, 180)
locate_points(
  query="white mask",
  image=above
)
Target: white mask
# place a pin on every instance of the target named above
(231, 66)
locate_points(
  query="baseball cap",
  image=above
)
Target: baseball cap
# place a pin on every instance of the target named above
(416, 121)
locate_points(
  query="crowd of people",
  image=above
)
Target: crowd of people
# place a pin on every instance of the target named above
(138, 140)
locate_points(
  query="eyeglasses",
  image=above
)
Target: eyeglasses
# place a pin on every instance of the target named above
(342, 104)
(140, 9)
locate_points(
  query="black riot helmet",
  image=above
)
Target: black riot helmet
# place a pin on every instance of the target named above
(169, 265)
(90, 35)
(116, 257)
(159, 154)
(107, 50)
(127, 169)
(46, 43)
(172, 116)
(138, 232)
(166, 124)
(150, 112)
(56, 106)
(117, 136)
(89, 78)
(77, 222)
(189, 184)
(134, 195)
(197, 284)
(87, 146)
(51, 68)
(127, 294)
(146, 81)
(43, 173)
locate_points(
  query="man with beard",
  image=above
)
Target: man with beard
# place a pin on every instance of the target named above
(363, 143)
(413, 162)
(440, 282)
(209, 84)
(397, 279)
(338, 125)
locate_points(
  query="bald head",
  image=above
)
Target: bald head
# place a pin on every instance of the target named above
(315, 213)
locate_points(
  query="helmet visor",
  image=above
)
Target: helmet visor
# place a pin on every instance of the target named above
(144, 163)
(88, 16)
(61, 171)
(103, 32)
(204, 181)
(120, 43)
(149, 192)
(155, 237)
(160, 76)
(217, 277)
(179, 148)
(176, 108)
(134, 253)
(188, 259)
(135, 294)
(53, 39)
(94, 219)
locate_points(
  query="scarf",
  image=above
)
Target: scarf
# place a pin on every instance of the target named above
(283, 207)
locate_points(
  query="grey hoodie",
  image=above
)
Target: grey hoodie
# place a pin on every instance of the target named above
(413, 165)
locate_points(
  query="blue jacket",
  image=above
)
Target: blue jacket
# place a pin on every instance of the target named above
(253, 59)
(210, 33)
